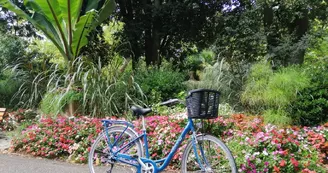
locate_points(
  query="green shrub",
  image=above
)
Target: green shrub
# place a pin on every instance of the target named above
(55, 102)
(197, 62)
(11, 49)
(256, 147)
(283, 86)
(279, 117)
(221, 77)
(256, 84)
(267, 90)
(8, 87)
(311, 106)
(160, 84)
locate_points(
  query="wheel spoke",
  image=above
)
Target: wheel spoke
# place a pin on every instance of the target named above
(213, 155)
(102, 155)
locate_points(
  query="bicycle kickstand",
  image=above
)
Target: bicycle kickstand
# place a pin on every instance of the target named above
(111, 168)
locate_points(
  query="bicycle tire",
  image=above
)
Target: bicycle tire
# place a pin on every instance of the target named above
(98, 162)
(189, 161)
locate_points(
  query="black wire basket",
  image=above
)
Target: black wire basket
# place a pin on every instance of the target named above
(203, 103)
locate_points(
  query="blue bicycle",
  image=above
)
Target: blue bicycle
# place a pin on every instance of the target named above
(120, 144)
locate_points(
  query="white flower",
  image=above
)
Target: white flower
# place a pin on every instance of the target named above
(265, 153)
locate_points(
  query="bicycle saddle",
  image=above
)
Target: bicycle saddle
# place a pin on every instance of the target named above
(137, 111)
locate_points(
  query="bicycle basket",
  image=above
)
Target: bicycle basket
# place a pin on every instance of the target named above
(203, 104)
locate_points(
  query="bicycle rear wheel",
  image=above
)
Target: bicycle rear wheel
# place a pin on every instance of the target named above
(101, 158)
(213, 154)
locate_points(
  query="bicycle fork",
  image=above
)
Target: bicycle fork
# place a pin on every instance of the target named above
(195, 143)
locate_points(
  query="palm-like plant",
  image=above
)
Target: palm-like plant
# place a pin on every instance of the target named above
(64, 22)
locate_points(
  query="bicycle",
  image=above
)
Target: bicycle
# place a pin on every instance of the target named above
(120, 143)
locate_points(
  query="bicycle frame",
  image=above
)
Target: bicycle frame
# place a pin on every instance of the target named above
(124, 158)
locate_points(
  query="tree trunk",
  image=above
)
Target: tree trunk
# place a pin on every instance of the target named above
(300, 27)
(152, 42)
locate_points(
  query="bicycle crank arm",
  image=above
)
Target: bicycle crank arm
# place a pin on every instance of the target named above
(146, 168)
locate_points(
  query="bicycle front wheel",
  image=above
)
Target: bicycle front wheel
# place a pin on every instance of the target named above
(101, 157)
(214, 156)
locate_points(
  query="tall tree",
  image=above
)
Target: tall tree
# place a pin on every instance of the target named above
(278, 29)
(162, 28)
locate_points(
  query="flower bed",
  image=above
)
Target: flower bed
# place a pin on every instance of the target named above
(256, 147)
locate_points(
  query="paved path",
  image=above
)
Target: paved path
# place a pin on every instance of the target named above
(11, 163)
(14, 163)
(23, 164)
(4, 141)
(19, 164)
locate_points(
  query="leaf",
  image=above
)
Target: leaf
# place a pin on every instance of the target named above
(49, 31)
(50, 9)
(83, 28)
(107, 9)
(92, 5)
(70, 10)
(37, 20)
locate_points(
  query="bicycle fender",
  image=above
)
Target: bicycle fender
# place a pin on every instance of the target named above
(112, 122)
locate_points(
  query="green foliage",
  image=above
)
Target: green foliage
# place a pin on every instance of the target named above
(283, 86)
(273, 92)
(160, 29)
(311, 106)
(104, 92)
(11, 48)
(265, 88)
(280, 30)
(278, 117)
(197, 62)
(58, 138)
(65, 23)
(110, 32)
(256, 85)
(160, 84)
(18, 119)
(55, 102)
(8, 87)
(34, 75)
(221, 77)
(45, 50)
(255, 146)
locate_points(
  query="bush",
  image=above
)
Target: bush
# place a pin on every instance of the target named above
(11, 49)
(256, 147)
(55, 102)
(8, 87)
(160, 84)
(311, 106)
(17, 118)
(279, 117)
(58, 138)
(220, 77)
(267, 90)
(104, 91)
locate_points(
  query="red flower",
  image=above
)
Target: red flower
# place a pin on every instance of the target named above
(276, 169)
(282, 163)
(82, 159)
(294, 162)
(285, 152)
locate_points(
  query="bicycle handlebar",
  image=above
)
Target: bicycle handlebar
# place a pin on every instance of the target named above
(171, 102)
